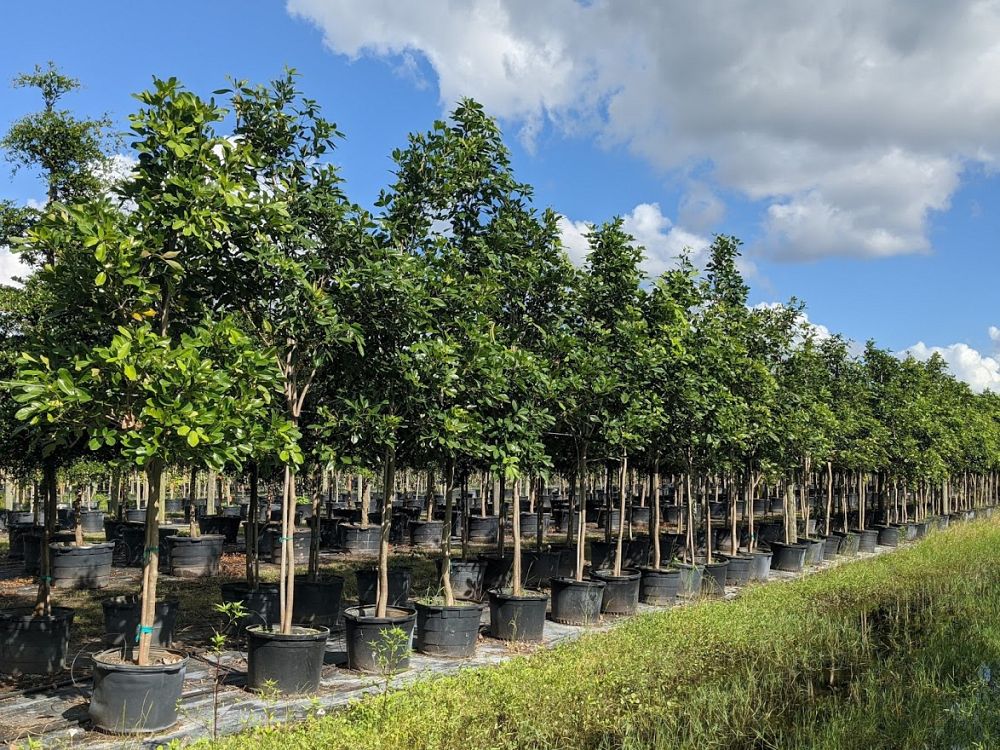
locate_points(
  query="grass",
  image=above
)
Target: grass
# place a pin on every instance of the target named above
(885, 653)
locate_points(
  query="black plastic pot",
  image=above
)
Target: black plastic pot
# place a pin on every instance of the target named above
(537, 567)
(121, 622)
(888, 536)
(34, 645)
(761, 567)
(263, 604)
(659, 586)
(135, 515)
(269, 545)
(621, 593)
(379, 644)
(17, 532)
(576, 602)
(640, 516)
(910, 530)
(848, 543)
(517, 618)
(290, 663)
(529, 525)
(400, 580)
(921, 529)
(466, 579)
(713, 579)
(483, 529)
(498, 572)
(831, 546)
(86, 567)
(317, 603)
(739, 570)
(788, 557)
(814, 550)
(129, 699)
(31, 551)
(689, 581)
(92, 521)
(226, 526)
(195, 557)
(867, 539)
(358, 540)
(426, 533)
(448, 631)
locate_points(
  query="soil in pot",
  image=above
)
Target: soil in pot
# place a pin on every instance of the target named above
(576, 602)
(448, 631)
(788, 557)
(34, 645)
(400, 580)
(379, 644)
(659, 586)
(317, 603)
(129, 699)
(121, 622)
(517, 618)
(290, 663)
(621, 593)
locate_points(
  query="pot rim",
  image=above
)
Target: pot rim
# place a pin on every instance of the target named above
(458, 606)
(87, 546)
(27, 614)
(529, 595)
(194, 539)
(570, 582)
(319, 633)
(406, 614)
(135, 668)
(607, 575)
(118, 598)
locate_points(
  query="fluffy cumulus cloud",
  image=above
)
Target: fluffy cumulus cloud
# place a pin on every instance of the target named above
(11, 267)
(850, 123)
(981, 372)
(662, 240)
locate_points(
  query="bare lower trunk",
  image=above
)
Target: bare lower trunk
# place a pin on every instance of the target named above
(287, 585)
(622, 475)
(581, 511)
(150, 560)
(43, 600)
(449, 481)
(388, 495)
(252, 532)
(654, 520)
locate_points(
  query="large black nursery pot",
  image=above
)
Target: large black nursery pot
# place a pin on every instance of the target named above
(135, 515)
(761, 567)
(659, 585)
(483, 529)
(621, 592)
(576, 602)
(426, 533)
(689, 582)
(537, 567)
(34, 645)
(831, 546)
(195, 557)
(888, 536)
(317, 602)
(449, 631)
(379, 644)
(466, 578)
(262, 605)
(814, 550)
(129, 699)
(86, 567)
(400, 580)
(227, 526)
(121, 622)
(92, 521)
(498, 571)
(788, 557)
(739, 570)
(291, 663)
(849, 543)
(269, 545)
(867, 539)
(517, 618)
(713, 579)
(359, 540)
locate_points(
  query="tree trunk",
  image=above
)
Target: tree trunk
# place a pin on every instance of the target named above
(388, 495)
(449, 481)
(654, 512)
(150, 560)
(581, 510)
(252, 533)
(317, 496)
(193, 504)
(622, 476)
(43, 600)
(287, 575)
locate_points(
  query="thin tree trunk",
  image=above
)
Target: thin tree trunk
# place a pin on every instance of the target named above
(449, 481)
(622, 476)
(150, 560)
(388, 495)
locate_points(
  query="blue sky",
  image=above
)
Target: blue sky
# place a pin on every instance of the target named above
(851, 150)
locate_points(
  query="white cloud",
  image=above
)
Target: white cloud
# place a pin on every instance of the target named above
(850, 122)
(11, 267)
(994, 335)
(662, 240)
(965, 363)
